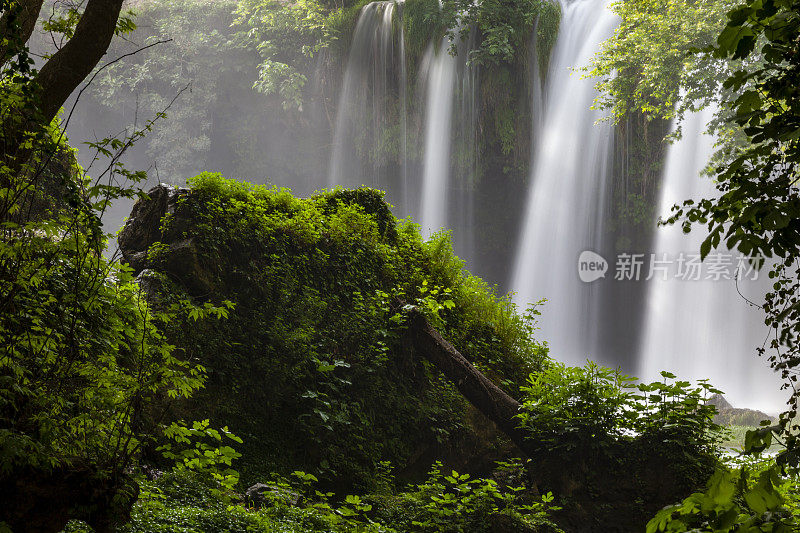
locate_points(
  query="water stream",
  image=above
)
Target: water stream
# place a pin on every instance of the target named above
(569, 179)
(375, 71)
(440, 88)
(703, 328)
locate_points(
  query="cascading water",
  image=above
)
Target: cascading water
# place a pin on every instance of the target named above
(570, 168)
(372, 103)
(465, 152)
(703, 328)
(375, 72)
(440, 87)
(537, 91)
(451, 144)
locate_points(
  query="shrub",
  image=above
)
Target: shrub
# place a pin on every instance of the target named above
(312, 364)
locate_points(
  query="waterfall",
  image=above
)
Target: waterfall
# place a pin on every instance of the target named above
(375, 72)
(451, 144)
(440, 87)
(703, 328)
(569, 177)
(536, 89)
(404, 122)
(374, 80)
(466, 149)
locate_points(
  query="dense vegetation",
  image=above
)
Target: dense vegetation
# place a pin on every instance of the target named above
(284, 322)
(311, 361)
(83, 358)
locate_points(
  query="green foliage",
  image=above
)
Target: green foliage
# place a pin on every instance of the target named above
(504, 125)
(446, 503)
(80, 351)
(617, 450)
(505, 27)
(423, 24)
(428, 302)
(457, 503)
(63, 18)
(287, 36)
(758, 210)
(583, 403)
(547, 28)
(750, 494)
(730, 504)
(650, 65)
(569, 408)
(340, 25)
(81, 354)
(83, 358)
(190, 449)
(313, 356)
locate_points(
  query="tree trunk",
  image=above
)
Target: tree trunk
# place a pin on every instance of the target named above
(24, 16)
(487, 397)
(56, 80)
(69, 66)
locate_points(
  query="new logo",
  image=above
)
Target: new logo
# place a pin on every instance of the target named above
(591, 266)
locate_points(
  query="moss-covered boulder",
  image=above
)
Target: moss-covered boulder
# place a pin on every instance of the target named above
(311, 368)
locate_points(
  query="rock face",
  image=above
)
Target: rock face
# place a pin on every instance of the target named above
(308, 366)
(728, 415)
(143, 227)
(719, 401)
(261, 495)
(151, 222)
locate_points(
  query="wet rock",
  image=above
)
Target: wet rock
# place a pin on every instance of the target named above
(179, 257)
(262, 495)
(143, 227)
(728, 415)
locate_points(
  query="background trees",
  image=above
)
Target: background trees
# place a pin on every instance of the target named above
(69, 66)
(81, 360)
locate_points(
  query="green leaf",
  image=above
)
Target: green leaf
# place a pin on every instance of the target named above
(705, 248)
(730, 37)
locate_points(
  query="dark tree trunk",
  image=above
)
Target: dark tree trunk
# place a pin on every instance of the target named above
(24, 15)
(487, 397)
(69, 66)
(53, 84)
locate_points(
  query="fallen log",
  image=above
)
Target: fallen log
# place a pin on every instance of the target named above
(479, 390)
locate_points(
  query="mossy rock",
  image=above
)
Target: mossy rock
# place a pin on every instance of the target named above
(312, 368)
